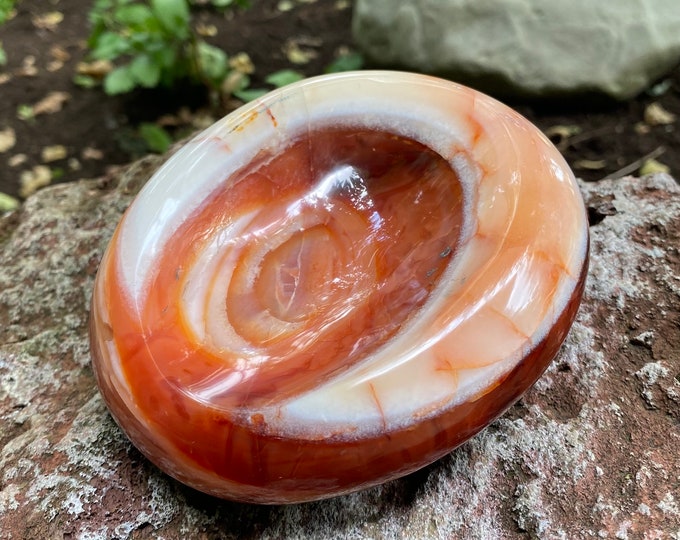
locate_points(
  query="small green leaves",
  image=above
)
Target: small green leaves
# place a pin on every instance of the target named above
(144, 71)
(155, 137)
(136, 15)
(276, 79)
(8, 203)
(173, 16)
(212, 63)
(250, 94)
(25, 112)
(222, 4)
(119, 81)
(152, 44)
(84, 81)
(6, 10)
(110, 45)
(346, 62)
(284, 77)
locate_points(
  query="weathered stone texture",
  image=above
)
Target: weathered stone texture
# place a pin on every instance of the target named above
(590, 451)
(525, 47)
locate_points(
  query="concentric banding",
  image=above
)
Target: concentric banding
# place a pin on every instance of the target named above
(515, 274)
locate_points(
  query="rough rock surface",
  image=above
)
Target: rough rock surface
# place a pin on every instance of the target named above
(526, 47)
(590, 451)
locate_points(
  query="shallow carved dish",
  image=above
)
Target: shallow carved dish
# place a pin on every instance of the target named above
(336, 285)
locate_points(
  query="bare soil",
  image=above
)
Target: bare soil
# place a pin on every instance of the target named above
(97, 131)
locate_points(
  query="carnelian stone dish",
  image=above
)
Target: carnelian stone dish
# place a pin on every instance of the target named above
(336, 285)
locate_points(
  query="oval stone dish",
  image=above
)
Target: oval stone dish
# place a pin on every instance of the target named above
(336, 285)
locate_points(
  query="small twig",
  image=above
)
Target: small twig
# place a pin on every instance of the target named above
(632, 167)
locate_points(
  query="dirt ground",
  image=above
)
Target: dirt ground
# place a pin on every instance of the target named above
(80, 132)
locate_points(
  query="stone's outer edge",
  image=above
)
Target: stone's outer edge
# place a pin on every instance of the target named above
(590, 451)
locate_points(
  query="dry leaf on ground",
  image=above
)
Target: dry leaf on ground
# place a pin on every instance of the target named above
(232, 82)
(59, 53)
(17, 159)
(51, 103)
(98, 68)
(296, 53)
(54, 65)
(242, 63)
(53, 153)
(656, 115)
(652, 166)
(8, 139)
(28, 68)
(7, 202)
(641, 128)
(48, 21)
(32, 180)
(590, 164)
(206, 30)
(92, 153)
(182, 118)
(59, 57)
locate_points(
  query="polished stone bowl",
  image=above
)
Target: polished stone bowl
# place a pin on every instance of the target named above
(336, 285)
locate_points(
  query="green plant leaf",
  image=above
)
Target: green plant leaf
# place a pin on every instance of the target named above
(25, 112)
(346, 62)
(156, 38)
(3, 55)
(284, 77)
(98, 29)
(166, 57)
(57, 173)
(133, 14)
(227, 3)
(249, 94)
(155, 137)
(84, 81)
(212, 62)
(7, 202)
(173, 15)
(6, 9)
(145, 71)
(109, 46)
(146, 41)
(119, 81)
(99, 11)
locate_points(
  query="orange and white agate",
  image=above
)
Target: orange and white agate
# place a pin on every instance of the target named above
(336, 285)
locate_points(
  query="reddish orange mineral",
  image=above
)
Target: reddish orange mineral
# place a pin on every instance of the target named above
(324, 311)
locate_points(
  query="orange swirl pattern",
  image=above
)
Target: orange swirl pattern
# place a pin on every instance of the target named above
(297, 308)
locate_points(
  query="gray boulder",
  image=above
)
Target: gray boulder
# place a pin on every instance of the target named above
(525, 47)
(590, 451)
